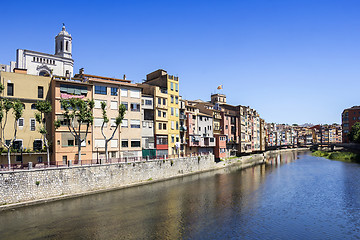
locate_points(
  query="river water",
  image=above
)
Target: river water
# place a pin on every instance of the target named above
(298, 197)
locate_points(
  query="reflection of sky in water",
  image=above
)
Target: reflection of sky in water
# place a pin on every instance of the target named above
(306, 198)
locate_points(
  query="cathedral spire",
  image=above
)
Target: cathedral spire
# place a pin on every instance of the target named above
(63, 43)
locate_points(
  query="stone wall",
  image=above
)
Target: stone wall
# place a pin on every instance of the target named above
(36, 184)
(19, 188)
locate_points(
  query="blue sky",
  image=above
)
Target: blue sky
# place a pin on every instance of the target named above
(293, 61)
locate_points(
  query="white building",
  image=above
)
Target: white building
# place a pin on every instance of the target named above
(44, 64)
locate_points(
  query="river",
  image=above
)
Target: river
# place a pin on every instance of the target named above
(298, 197)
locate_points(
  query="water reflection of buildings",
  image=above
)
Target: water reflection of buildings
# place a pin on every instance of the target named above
(164, 210)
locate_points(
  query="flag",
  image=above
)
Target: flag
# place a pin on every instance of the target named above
(220, 87)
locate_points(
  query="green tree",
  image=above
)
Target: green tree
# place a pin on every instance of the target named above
(17, 109)
(77, 112)
(118, 120)
(355, 133)
(44, 108)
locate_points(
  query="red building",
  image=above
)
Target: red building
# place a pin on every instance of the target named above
(220, 147)
(349, 117)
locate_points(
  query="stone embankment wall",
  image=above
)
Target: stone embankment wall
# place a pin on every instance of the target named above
(20, 188)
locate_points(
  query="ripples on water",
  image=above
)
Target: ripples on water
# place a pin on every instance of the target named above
(308, 198)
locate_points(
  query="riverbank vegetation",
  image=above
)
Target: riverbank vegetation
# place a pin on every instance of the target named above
(337, 155)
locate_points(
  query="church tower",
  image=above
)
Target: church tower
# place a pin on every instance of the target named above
(63, 44)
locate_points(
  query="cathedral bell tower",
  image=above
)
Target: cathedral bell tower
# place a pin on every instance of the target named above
(63, 44)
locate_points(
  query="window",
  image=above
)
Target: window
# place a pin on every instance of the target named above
(100, 90)
(160, 126)
(21, 122)
(114, 143)
(37, 145)
(172, 138)
(135, 107)
(40, 92)
(134, 123)
(161, 140)
(123, 92)
(159, 101)
(135, 143)
(97, 103)
(124, 143)
(164, 126)
(99, 143)
(67, 46)
(112, 122)
(135, 93)
(164, 101)
(177, 138)
(176, 87)
(98, 122)
(176, 99)
(172, 125)
(177, 125)
(18, 144)
(172, 99)
(172, 111)
(114, 91)
(10, 89)
(164, 114)
(176, 112)
(114, 105)
(148, 102)
(159, 113)
(124, 123)
(70, 142)
(125, 104)
(172, 86)
(32, 124)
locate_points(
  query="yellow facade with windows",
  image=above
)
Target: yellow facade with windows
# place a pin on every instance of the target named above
(28, 89)
(173, 114)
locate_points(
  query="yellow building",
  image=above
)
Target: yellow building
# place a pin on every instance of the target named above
(169, 85)
(28, 89)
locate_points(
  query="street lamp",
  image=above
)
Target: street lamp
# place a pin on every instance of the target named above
(21, 151)
(97, 155)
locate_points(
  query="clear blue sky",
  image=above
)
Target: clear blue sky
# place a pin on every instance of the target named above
(293, 61)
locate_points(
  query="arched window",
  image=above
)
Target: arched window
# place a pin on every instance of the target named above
(44, 73)
(33, 106)
(61, 46)
(67, 46)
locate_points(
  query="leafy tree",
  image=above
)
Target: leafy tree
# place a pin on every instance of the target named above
(5, 106)
(118, 120)
(44, 108)
(78, 111)
(355, 133)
